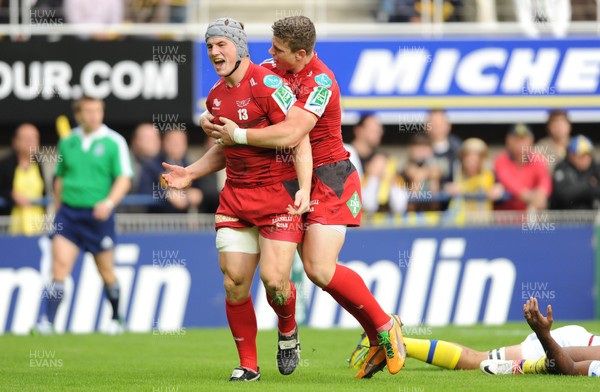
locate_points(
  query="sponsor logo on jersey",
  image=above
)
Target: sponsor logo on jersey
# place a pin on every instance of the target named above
(284, 97)
(107, 243)
(225, 218)
(281, 221)
(272, 81)
(317, 100)
(354, 204)
(253, 82)
(323, 80)
(99, 150)
(216, 102)
(243, 103)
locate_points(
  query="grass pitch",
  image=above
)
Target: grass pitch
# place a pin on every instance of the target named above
(202, 360)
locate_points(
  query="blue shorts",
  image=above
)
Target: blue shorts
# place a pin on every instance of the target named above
(81, 228)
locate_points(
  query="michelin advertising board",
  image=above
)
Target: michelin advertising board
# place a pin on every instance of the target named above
(476, 79)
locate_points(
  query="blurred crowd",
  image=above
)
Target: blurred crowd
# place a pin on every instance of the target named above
(489, 11)
(26, 173)
(439, 172)
(100, 12)
(434, 172)
(529, 13)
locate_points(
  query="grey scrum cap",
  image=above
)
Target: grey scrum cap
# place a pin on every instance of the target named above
(232, 30)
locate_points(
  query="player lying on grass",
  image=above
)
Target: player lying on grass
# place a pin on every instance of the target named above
(336, 191)
(572, 361)
(454, 356)
(261, 204)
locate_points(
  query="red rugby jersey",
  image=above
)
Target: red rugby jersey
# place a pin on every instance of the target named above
(259, 100)
(317, 92)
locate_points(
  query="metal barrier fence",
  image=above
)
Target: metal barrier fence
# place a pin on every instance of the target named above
(193, 222)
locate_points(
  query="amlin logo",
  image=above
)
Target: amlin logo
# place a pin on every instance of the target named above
(84, 309)
(427, 290)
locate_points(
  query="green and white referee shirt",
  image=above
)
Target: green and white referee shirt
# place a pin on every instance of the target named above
(89, 165)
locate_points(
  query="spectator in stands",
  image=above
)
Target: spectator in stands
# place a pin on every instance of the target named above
(94, 12)
(488, 11)
(22, 182)
(48, 12)
(178, 11)
(175, 146)
(146, 11)
(533, 13)
(145, 146)
(376, 170)
(416, 11)
(554, 146)
(420, 179)
(473, 178)
(446, 147)
(576, 180)
(523, 172)
(584, 10)
(368, 132)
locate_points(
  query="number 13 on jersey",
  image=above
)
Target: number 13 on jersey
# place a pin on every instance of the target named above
(243, 114)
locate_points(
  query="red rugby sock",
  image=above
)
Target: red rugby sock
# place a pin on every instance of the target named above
(286, 312)
(242, 322)
(346, 284)
(359, 316)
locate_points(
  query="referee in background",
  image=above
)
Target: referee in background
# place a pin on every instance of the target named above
(93, 174)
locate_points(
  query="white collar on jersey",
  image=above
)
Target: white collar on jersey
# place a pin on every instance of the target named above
(88, 139)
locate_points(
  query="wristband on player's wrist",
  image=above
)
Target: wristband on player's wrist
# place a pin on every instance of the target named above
(239, 136)
(110, 203)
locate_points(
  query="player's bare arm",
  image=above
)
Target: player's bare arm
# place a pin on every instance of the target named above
(304, 164)
(182, 177)
(287, 133)
(104, 208)
(558, 360)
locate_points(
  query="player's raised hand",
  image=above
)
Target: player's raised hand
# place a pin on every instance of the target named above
(535, 319)
(226, 131)
(178, 177)
(301, 203)
(206, 123)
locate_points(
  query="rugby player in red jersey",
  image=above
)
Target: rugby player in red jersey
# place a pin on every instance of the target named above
(336, 194)
(261, 205)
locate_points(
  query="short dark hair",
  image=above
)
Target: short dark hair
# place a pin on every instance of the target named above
(15, 131)
(363, 118)
(172, 131)
(555, 113)
(298, 32)
(77, 103)
(419, 140)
